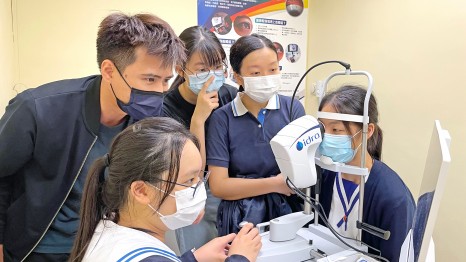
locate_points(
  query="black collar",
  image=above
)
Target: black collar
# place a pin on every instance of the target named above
(91, 110)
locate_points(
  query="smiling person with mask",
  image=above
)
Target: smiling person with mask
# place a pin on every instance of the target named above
(151, 181)
(245, 174)
(199, 89)
(50, 135)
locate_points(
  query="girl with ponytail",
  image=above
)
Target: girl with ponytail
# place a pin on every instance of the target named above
(388, 203)
(151, 181)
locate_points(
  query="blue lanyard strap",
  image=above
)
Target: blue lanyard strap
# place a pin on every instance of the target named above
(343, 203)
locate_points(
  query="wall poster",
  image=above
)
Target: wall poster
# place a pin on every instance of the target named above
(282, 21)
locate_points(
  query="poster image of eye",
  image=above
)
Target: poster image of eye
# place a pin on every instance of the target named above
(243, 25)
(279, 49)
(294, 7)
(283, 22)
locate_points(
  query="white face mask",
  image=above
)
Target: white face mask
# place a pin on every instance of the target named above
(262, 88)
(188, 207)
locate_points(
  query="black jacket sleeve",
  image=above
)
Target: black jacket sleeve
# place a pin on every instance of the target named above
(17, 136)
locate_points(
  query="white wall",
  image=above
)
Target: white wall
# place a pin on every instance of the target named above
(57, 38)
(416, 52)
(7, 55)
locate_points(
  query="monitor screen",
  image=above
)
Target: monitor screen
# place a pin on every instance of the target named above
(432, 187)
(292, 48)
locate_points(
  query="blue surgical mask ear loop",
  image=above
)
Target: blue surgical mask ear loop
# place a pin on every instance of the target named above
(185, 74)
(355, 151)
(357, 148)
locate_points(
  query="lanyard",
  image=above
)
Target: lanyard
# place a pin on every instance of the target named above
(343, 203)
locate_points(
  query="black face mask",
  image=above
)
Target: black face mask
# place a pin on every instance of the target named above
(141, 103)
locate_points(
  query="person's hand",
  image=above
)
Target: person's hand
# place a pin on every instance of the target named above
(206, 102)
(1, 253)
(246, 243)
(215, 250)
(281, 186)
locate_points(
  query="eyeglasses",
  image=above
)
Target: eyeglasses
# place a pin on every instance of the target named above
(244, 25)
(195, 187)
(205, 74)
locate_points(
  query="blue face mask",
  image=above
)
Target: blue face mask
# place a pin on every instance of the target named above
(338, 147)
(196, 82)
(142, 104)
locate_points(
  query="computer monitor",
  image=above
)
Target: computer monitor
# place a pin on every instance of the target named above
(431, 192)
(292, 48)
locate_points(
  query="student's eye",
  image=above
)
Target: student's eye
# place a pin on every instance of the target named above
(273, 69)
(189, 182)
(256, 73)
(202, 70)
(150, 79)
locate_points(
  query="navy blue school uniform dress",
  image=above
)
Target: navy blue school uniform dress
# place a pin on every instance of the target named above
(388, 204)
(239, 141)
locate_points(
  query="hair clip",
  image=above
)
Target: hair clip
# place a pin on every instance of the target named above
(136, 128)
(107, 160)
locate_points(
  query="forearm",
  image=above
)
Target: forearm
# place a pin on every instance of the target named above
(239, 188)
(198, 129)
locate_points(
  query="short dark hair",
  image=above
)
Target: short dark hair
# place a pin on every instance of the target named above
(119, 35)
(200, 39)
(349, 99)
(244, 46)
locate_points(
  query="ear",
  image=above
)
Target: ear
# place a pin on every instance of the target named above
(141, 192)
(370, 130)
(239, 80)
(179, 71)
(107, 68)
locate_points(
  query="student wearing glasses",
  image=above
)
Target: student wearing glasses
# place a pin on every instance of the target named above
(198, 89)
(151, 181)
